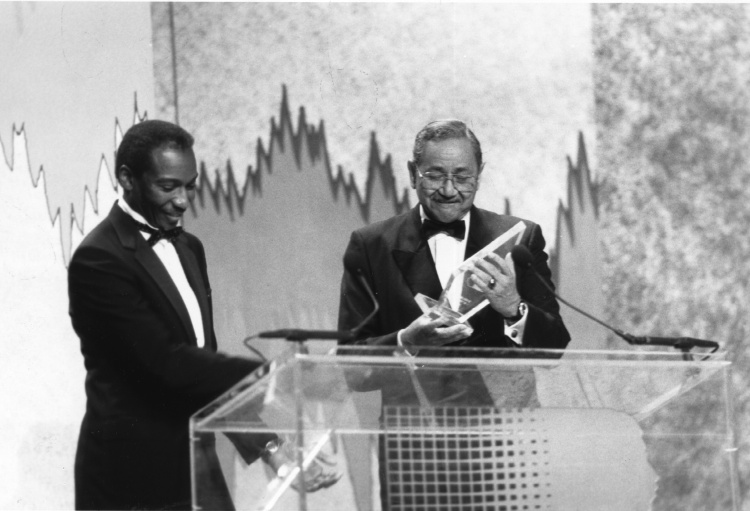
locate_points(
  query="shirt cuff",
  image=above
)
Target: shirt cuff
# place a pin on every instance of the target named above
(515, 331)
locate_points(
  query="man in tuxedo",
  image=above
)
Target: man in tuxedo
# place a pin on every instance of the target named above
(416, 252)
(140, 302)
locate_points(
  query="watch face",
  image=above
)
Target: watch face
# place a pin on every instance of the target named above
(272, 446)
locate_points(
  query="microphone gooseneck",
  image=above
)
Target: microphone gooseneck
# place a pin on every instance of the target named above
(297, 334)
(523, 259)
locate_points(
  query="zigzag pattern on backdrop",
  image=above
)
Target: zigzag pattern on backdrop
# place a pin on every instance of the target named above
(582, 194)
(80, 224)
(106, 191)
(308, 137)
(580, 188)
(312, 139)
(19, 162)
(231, 197)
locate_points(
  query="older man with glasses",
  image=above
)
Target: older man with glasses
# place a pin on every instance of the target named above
(417, 252)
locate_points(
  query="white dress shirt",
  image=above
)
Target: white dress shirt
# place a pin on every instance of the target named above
(167, 254)
(447, 252)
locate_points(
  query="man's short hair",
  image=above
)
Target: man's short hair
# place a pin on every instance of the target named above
(442, 130)
(142, 138)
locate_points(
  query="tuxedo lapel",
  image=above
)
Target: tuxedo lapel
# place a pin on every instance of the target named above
(155, 268)
(131, 238)
(480, 235)
(412, 256)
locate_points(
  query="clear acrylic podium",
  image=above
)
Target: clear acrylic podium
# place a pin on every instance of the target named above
(478, 429)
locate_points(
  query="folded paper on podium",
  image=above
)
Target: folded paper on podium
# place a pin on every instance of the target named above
(476, 429)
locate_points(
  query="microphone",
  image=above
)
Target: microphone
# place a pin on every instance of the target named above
(523, 259)
(297, 334)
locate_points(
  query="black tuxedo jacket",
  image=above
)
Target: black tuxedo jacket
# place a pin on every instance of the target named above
(145, 373)
(395, 258)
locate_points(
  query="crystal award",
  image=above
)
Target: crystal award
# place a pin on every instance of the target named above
(460, 300)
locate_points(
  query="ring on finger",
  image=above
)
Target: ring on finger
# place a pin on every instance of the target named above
(492, 283)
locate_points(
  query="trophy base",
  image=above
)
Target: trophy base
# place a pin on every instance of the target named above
(435, 310)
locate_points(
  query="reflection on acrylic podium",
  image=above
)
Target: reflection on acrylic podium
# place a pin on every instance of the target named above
(480, 429)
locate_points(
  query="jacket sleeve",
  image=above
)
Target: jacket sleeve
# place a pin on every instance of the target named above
(119, 326)
(355, 305)
(544, 325)
(355, 302)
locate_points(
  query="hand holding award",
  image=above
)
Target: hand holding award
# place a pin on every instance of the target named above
(462, 298)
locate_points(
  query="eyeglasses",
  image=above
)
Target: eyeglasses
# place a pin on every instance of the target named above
(435, 180)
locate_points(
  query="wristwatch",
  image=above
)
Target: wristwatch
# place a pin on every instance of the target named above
(271, 448)
(520, 313)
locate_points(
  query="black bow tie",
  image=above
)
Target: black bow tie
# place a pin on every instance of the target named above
(455, 229)
(158, 234)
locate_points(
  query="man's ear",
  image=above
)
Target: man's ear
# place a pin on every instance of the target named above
(412, 173)
(479, 174)
(126, 178)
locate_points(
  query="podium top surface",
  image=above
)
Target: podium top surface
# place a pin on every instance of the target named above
(326, 390)
(514, 356)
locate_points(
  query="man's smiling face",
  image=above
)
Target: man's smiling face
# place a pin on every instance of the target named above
(163, 192)
(451, 157)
